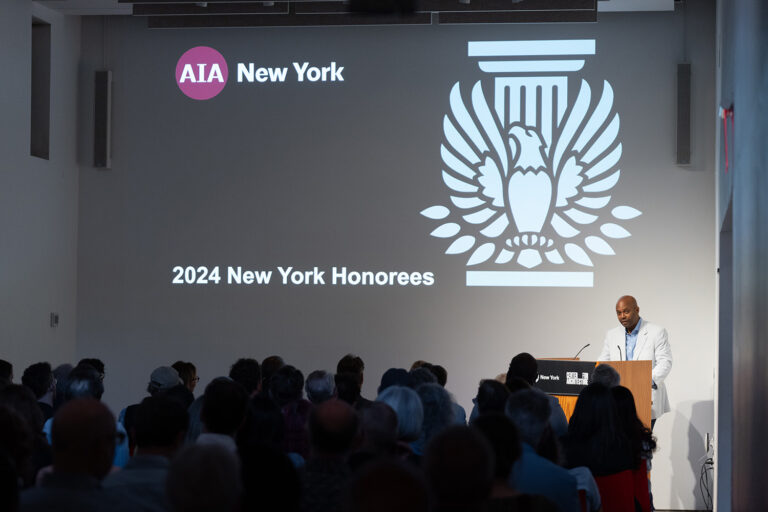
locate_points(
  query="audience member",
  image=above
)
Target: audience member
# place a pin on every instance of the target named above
(491, 397)
(224, 408)
(188, 374)
(530, 411)
(16, 445)
(422, 375)
(6, 373)
(270, 480)
(595, 437)
(640, 436)
(266, 425)
(333, 429)
(247, 373)
(458, 466)
(387, 486)
(438, 414)
(96, 364)
(61, 374)
(354, 365)
(83, 440)
(394, 377)
(269, 367)
(524, 365)
(348, 389)
(204, 478)
(39, 378)
(378, 431)
(441, 373)
(286, 388)
(21, 400)
(409, 411)
(85, 381)
(320, 386)
(160, 425)
(606, 375)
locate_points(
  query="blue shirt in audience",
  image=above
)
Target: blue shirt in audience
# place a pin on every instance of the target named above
(533, 474)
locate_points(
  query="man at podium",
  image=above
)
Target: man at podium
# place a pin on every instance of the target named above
(637, 339)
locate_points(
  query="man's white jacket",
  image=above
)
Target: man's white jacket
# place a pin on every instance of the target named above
(652, 345)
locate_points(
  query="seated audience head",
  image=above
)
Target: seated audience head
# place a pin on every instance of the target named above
(408, 409)
(270, 480)
(95, 363)
(247, 373)
(286, 385)
(22, 401)
(529, 410)
(523, 365)
(386, 486)
(491, 396)
(320, 386)
(458, 465)
(422, 375)
(333, 428)
(353, 364)
(269, 366)
(160, 425)
(515, 384)
(83, 438)
(643, 442)
(225, 404)
(16, 448)
(61, 374)
(378, 424)
(606, 375)
(438, 410)
(347, 387)
(267, 422)
(163, 378)
(85, 381)
(204, 478)
(188, 374)
(418, 364)
(595, 414)
(39, 378)
(441, 373)
(6, 373)
(394, 377)
(502, 435)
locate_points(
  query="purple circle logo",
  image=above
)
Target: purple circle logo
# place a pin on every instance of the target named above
(201, 73)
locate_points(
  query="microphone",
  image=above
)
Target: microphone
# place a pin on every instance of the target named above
(621, 357)
(580, 351)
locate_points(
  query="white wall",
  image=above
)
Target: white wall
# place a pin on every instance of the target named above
(38, 198)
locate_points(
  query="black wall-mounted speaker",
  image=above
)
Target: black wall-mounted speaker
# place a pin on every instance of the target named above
(102, 126)
(684, 114)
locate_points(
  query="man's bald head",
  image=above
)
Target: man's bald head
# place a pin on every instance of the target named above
(333, 427)
(83, 438)
(628, 312)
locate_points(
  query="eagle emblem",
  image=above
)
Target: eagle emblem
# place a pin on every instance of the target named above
(520, 195)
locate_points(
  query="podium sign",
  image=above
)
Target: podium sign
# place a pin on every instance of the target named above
(563, 377)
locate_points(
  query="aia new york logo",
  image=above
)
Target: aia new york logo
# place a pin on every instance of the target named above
(201, 73)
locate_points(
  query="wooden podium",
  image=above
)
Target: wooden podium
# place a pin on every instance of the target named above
(635, 375)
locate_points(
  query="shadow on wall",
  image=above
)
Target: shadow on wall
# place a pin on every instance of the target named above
(685, 480)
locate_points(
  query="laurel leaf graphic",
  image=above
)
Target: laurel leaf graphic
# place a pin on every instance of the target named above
(460, 245)
(446, 230)
(625, 212)
(578, 255)
(555, 257)
(598, 245)
(504, 256)
(614, 231)
(436, 212)
(481, 254)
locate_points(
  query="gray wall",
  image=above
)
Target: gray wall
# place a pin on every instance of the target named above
(38, 198)
(336, 175)
(745, 77)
